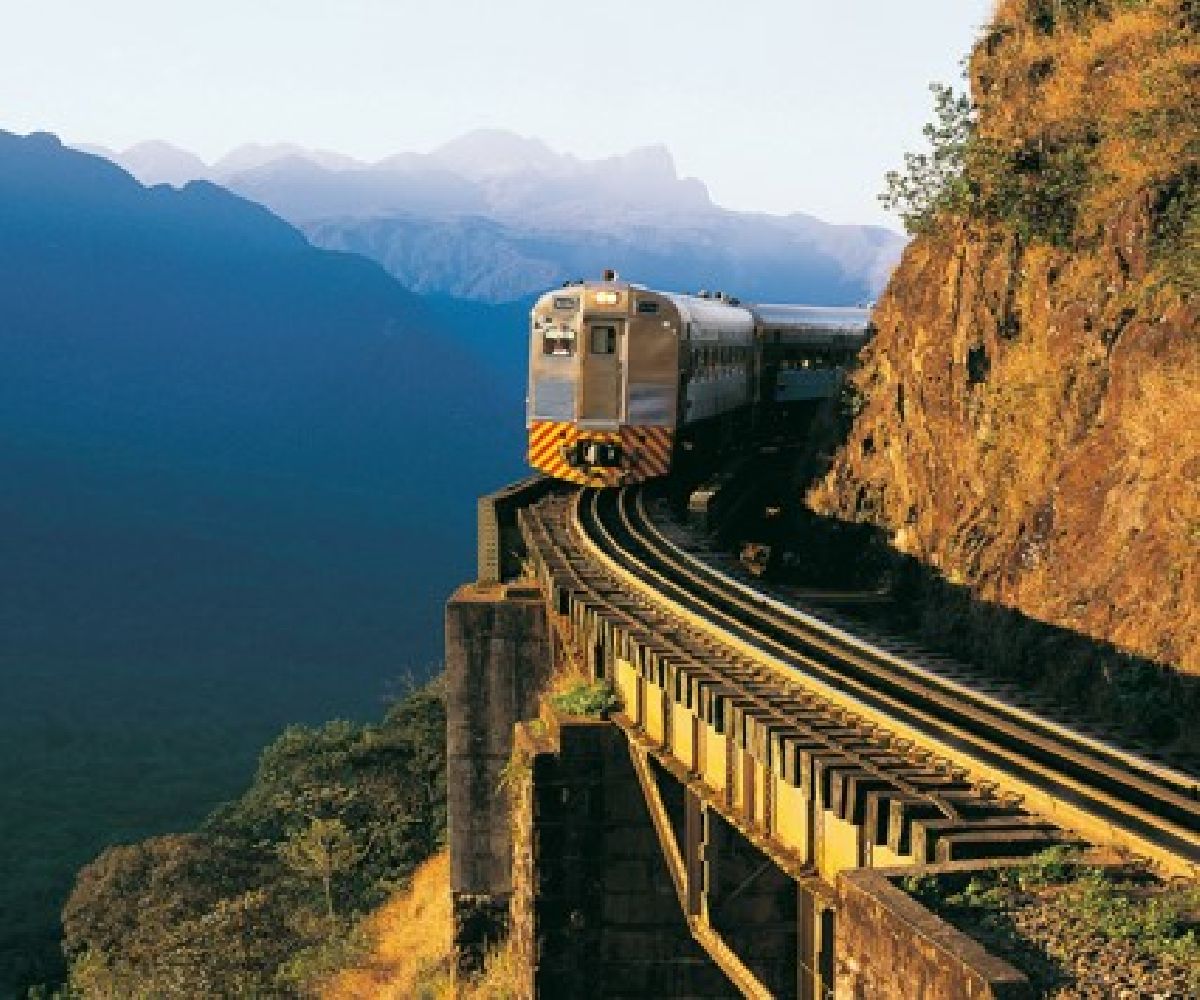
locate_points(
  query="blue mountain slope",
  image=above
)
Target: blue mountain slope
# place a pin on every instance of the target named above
(237, 481)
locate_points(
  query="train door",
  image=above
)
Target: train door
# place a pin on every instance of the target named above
(602, 394)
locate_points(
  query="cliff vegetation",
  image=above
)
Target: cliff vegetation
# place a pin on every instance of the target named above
(1026, 423)
(267, 898)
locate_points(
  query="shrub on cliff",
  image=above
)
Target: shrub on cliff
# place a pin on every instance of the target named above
(1094, 105)
(260, 901)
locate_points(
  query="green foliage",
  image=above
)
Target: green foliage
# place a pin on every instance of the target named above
(1048, 867)
(322, 851)
(1177, 228)
(265, 896)
(1046, 15)
(935, 182)
(595, 699)
(1093, 900)
(923, 887)
(318, 962)
(1034, 188)
(1155, 925)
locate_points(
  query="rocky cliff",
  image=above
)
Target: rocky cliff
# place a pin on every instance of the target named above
(1027, 420)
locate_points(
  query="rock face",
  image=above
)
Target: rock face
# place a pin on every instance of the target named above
(1029, 413)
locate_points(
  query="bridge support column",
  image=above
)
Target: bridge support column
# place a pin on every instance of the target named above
(596, 911)
(498, 657)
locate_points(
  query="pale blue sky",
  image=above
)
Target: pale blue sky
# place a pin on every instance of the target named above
(778, 105)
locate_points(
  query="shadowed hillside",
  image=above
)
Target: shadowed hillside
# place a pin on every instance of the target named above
(239, 480)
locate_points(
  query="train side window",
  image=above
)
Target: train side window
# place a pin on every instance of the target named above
(560, 343)
(604, 340)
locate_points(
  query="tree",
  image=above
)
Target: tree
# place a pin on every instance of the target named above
(935, 181)
(321, 851)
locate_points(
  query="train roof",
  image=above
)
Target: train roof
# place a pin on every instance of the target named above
(712, 312)
(826, 319)
(718, 312)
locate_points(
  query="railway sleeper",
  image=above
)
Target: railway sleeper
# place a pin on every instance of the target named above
(787, 731)
(851, 792)
(929, 834)
(906, 812)
(977, 844)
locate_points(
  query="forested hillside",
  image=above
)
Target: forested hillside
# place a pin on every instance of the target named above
(264, 899)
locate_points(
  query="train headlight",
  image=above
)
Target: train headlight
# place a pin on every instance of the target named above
(607, 298)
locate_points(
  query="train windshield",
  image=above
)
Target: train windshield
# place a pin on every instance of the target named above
(560, 342)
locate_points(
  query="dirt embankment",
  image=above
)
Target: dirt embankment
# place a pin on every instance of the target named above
(1028, 416)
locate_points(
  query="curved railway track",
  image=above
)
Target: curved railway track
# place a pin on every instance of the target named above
(1085, 785)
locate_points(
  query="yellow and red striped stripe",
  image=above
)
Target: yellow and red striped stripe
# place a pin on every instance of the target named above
(645, 451)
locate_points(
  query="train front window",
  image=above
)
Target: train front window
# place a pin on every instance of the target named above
(560, 343)
(604, 340)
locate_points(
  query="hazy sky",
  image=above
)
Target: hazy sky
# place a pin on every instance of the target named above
(778, 105)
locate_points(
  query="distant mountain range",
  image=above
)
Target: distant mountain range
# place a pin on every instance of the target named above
(495, 217)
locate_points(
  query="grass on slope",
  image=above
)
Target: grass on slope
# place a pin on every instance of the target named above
(408, 950)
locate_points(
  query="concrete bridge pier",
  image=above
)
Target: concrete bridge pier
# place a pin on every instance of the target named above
(498, 658)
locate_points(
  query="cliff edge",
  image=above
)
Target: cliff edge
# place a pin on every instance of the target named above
(1028, 415)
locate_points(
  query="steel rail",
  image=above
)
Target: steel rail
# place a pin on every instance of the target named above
(1185, 786)
(861, 760)
(1153, 786)
(1066, 781)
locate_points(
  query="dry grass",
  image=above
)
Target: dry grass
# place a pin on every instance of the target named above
(1129, 79)
(501, 979)
(409, 957)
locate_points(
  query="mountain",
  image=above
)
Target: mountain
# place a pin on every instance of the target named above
(238, 482)
(157, 162)
(295, 187)
(481, 258)
(253, 155)
(490, 152)
(496, 216)
(499, 175)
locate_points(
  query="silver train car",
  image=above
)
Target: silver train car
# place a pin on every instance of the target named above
(621, 376)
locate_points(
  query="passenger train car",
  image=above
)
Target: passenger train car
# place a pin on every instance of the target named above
(621, 377)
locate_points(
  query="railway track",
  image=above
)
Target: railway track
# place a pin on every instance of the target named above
(966, 773)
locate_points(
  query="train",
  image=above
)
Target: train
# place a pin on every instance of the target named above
(623, 379)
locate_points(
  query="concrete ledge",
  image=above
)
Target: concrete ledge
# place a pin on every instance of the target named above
(891, 947)
(498, 538)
